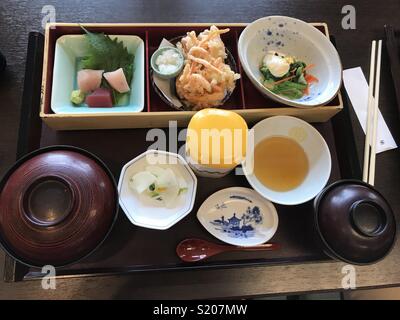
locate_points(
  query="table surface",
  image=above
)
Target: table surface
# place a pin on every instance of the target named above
(17, 18)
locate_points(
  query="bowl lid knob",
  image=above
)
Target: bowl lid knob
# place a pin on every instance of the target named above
(48, 201)
(368, 218)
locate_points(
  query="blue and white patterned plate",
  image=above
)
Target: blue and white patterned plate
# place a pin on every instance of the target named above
(239, 216)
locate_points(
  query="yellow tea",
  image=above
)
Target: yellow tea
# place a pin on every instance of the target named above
(280, 163)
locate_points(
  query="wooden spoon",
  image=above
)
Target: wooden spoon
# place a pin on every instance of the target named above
(191, 250)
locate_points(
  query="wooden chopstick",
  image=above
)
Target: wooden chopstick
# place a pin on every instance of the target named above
(372, 115)
(369, 113)
(371, 178)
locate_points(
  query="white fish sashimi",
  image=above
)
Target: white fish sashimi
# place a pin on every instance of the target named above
(89, 80)
(117, 80)
(141, 181)
(155, 170)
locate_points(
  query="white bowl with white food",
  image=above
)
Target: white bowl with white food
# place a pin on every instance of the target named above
(157, 189)
(167, 62)
(290, 37)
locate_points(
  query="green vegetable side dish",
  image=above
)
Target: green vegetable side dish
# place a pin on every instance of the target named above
(286, 76)
(109, 55)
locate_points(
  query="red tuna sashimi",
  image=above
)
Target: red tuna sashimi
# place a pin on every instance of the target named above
(117, 80)
(100, 98)
(89, 80)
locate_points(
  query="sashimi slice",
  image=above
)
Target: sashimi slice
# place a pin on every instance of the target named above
(117, 80)
(141, 181)
(89, 80)
(100, 98)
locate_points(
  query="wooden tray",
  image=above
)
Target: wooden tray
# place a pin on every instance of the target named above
(245, 100)
(132, 249)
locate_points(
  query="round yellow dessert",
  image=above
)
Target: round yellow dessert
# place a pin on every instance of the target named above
(216, 141)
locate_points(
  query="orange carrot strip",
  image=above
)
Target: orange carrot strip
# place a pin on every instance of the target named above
(310, 66)
(310, 78)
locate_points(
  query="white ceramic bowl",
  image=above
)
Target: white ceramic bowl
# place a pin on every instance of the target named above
(313, 144)
(296, 38)
(145, 213)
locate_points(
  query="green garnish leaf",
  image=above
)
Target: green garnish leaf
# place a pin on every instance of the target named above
(299, 71)
(291, 93)
(182, 190)
(269, 84)
(302, 80)
(291, 90)
(297, 64)
(267, 74)
(291, 85)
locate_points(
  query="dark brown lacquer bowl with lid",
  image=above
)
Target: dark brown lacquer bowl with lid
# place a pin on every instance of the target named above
(354, 222)
(57, 205)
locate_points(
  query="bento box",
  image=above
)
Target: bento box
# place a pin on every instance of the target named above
(246, 100)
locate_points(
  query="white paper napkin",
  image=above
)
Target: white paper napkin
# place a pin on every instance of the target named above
(357, 88)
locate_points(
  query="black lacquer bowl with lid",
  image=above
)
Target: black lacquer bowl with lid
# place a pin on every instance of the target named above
(57, 205)
(354, 222)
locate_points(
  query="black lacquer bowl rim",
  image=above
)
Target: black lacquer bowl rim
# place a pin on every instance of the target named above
(39, 151)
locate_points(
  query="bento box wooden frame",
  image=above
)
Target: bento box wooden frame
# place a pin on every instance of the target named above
(161, 119)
